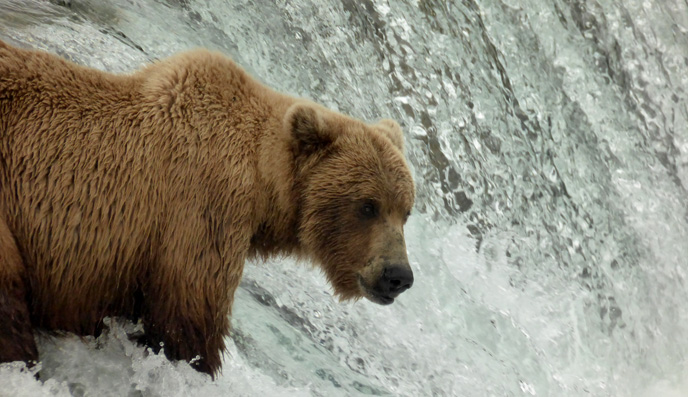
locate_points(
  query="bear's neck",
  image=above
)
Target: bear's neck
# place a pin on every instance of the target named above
(276, 230)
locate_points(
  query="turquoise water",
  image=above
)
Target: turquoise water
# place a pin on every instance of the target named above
(549, 142)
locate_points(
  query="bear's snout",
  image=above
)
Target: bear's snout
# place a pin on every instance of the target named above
(394, 280)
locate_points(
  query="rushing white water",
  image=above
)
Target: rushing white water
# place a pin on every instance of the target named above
(549, 142)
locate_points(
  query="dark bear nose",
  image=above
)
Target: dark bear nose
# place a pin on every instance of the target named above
(395, 280)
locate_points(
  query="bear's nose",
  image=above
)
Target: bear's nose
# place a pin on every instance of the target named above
(395, 280)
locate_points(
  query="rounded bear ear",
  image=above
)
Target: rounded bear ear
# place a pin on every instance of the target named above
(308, 128)
(392, 130)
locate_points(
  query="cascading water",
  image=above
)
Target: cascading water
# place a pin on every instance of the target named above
(549, 142)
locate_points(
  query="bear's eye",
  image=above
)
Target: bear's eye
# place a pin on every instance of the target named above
(368, 210)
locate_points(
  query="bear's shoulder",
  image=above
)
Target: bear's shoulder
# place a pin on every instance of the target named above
(204, 69)
(196, 63)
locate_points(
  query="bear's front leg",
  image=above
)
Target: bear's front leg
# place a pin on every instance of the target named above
(185, 333)
(16, 332)
(188, 298)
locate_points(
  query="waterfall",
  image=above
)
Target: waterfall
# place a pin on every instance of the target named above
(549, 145)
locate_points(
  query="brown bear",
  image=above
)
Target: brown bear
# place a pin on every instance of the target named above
(142, 195)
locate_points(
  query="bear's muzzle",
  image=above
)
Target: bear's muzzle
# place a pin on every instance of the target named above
(393, 280)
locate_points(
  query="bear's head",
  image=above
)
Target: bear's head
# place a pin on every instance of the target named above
(356, 192)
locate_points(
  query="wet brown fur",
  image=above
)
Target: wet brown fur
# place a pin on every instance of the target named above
(142, 195)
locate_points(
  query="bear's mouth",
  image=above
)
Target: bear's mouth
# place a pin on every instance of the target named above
(380, 300)
(372, 295)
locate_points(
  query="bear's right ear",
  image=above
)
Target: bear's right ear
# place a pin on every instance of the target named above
(308, 128)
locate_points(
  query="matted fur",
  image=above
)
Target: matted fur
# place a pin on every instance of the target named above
(142, 195)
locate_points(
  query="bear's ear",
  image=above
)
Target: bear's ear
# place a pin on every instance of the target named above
(308, 128)
(392, 130)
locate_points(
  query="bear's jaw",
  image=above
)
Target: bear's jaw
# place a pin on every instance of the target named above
(371, 295)
(380, 300)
